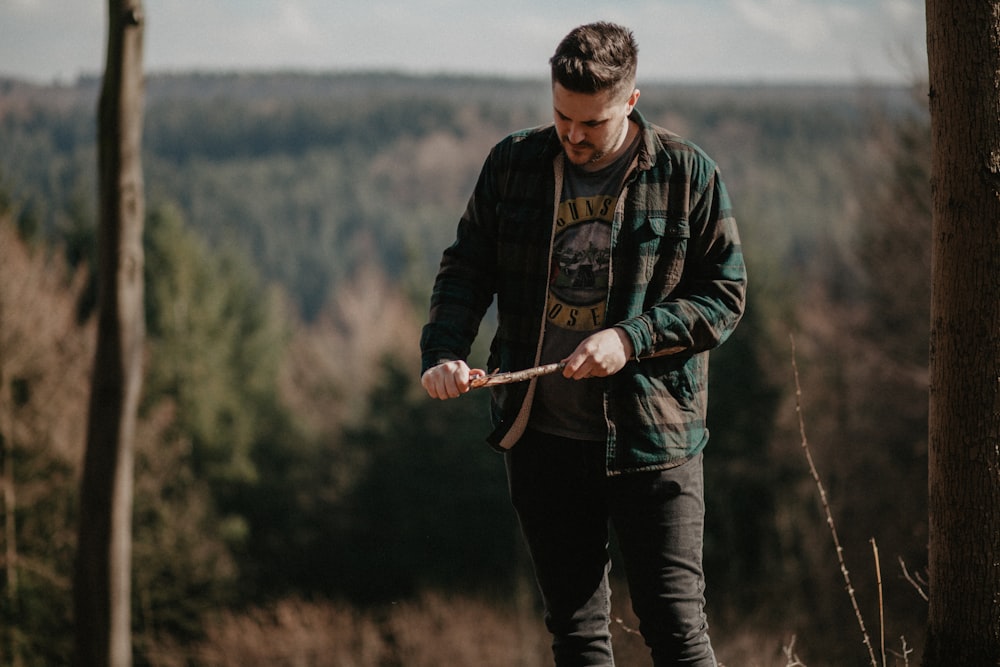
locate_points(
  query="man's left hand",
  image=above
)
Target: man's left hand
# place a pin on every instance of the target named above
(599, 355)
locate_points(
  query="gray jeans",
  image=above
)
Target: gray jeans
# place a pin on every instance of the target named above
(565, 503)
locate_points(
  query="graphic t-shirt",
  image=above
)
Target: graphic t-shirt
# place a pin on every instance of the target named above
(578, 294)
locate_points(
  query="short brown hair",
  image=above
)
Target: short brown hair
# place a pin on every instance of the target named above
(596, 57)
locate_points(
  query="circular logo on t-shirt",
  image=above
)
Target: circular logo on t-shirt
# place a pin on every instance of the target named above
(581, 259)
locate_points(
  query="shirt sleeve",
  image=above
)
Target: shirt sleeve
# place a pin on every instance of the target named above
(706, 305)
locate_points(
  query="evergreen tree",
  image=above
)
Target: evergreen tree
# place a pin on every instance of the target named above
(215, 347)
(430, 506)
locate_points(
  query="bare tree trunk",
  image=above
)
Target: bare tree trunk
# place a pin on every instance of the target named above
(102, 587)
(963, 44)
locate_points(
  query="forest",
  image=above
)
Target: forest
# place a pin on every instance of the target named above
(300, 501)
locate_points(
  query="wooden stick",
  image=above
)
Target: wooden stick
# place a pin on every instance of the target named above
(537, 371)
(514, 376)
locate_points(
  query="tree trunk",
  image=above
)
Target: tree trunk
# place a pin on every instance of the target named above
(963, 44)
(102, 588)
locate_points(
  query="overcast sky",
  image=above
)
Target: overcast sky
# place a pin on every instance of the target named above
(685, 40)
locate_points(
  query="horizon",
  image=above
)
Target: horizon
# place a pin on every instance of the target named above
(93, 78)
(752, 41)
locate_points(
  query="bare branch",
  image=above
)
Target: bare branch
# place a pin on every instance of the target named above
(826, 509)
(881, 605)
(630, 630)
(912, 580)
(905, 655)
(793, 660)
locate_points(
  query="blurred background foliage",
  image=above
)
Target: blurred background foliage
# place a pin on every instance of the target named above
(287, 457)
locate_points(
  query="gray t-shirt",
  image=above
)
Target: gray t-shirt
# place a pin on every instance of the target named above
(578, 295)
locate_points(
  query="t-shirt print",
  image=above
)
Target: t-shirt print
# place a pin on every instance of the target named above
(581, 261)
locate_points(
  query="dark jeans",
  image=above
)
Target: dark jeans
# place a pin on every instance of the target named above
(565, 502)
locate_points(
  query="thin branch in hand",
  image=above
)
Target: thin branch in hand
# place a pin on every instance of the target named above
(826, 509)
(514, 376)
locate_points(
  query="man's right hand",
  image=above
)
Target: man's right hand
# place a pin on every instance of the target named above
(448, 380)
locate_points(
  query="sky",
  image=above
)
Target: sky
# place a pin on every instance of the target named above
(730, 41)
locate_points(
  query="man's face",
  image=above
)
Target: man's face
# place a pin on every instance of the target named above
(591, 127)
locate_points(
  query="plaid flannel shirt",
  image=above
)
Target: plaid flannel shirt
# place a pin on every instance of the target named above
(678, 285)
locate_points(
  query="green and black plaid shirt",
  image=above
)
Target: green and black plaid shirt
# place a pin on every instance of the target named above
(678, 285)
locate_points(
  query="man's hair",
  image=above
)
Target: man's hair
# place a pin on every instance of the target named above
(596, 57)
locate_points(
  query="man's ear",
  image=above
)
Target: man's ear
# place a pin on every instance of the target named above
(633, 98)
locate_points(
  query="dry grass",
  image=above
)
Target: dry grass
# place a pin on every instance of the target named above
(292, 633)
(455, 631)
(433, 631)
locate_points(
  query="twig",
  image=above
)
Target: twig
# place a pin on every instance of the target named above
(881, 607)
(905, 655)
(626, 628)
(913, 582)
(826, 508)
(793, 660)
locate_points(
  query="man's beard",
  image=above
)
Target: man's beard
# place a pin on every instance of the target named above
(595, 156)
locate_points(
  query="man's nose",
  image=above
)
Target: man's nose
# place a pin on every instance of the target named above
(576, 133)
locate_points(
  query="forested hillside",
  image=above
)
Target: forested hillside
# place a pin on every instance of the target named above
(290, 473)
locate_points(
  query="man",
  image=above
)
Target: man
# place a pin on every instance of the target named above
(609, 245)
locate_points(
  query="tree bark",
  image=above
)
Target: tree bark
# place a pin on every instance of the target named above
(102, 588)
(963, 45)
